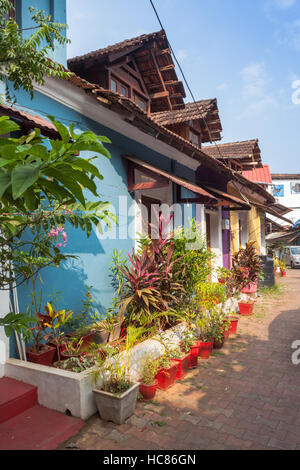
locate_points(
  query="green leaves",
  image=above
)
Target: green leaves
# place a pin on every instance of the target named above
(22, 177)
(14, 321)
(7, 126)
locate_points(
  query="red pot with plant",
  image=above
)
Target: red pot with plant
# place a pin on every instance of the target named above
(205, 349)
(194, 352)
(233, 325)
(219, 343)
(148, 391)
(148, 381)
(246, 308)
(166, 376)
(44, 356)
(183, 360)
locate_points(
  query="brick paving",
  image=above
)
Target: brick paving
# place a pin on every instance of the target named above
(247, 396)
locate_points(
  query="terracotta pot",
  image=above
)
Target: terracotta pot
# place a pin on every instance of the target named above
(148, 391)
(166, 377)
(205, 349)
(86, 339)
(44, 357)
(246, 309)
(233, 325)
(183, 366)
(219, 344)
(194, 352)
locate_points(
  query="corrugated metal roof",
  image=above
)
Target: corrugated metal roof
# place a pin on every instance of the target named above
(259, 175)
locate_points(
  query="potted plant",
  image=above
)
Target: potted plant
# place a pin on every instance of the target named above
(55, 320)
(220, 329)
(75, 364)
(233, 320)
(246, 308)
(183, 360)
(148, 381)
(282, 266)
(72, 348)
(39, 352)
(246, 268)
(116, 393)
(166, 375)
(189, 345)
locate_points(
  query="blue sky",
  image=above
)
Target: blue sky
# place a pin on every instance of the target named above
(244, 52)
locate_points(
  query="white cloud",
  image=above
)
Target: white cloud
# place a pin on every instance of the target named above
(182, 54)
(222, 86)
(255, 91)
(282, 4)
(255, 79)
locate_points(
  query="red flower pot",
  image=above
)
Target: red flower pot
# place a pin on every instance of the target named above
(233, 325)
(194, 355)
(44, 357)
(148, 391)
(246, 309)
(283, 273)
(183, 366)
(86, 339)
(166, 377)
(205, 349)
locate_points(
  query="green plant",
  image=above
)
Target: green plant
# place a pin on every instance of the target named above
(18, 322)
(76, 364)
(23, 60)
(115, 372)
(282, 266)
(55, 320)
(187, 340)
(165, 362)
(194, 260)
(149, 369)
(73, 347)
(246, 267)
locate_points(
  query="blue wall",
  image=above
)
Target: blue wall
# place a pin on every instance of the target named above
(55, 8)
(92, 267)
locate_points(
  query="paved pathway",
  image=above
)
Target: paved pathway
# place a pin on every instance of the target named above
(246, 397)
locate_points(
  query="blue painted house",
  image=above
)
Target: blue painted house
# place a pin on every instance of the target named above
(130, 93)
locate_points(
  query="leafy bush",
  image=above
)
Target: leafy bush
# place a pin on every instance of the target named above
(246, 267)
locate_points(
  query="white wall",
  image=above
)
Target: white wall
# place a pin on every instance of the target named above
(289, 200)
(216, 239)
(4, 341)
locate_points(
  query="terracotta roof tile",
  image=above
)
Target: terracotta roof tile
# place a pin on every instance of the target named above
(233, 149)
(118, 47)
(191, 111)
(34, 121)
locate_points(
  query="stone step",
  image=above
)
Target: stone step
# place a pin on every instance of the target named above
(15, 398)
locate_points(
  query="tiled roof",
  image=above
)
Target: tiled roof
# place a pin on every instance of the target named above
(33, 121)
(285, 176)
(246, 152)
(259, 175)
(118, 47)
(191, 111)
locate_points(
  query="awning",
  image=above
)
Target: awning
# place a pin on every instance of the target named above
(212, 193)
(270, 210)
(227, 197)
(29, 119)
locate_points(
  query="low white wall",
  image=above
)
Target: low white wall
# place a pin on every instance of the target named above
(4, 341)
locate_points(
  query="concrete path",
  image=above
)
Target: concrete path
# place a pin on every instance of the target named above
(247, 396)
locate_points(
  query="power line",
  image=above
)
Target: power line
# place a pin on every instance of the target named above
(191, 93)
